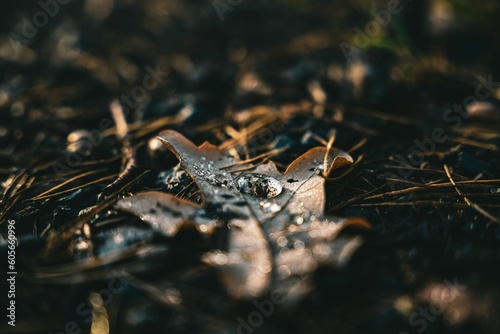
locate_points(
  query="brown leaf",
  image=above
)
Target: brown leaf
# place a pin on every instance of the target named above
(261, 208)
(163, 211)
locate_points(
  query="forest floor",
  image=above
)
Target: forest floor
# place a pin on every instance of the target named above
(411, 94)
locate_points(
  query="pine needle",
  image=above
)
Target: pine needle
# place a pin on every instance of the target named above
(468, 201)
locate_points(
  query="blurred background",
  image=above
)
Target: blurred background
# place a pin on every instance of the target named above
(381, 73)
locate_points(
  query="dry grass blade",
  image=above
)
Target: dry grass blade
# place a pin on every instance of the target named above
(184, 189)
(264, 156)
(251, 130)
(56, 240)
(62, 184)
(354, 199)
(357, 146)
(475, 143)
(140, 129)
(326, 170)
(468, 201)
(12, 182)
(424, 187)
(378, 114)
(129, 160)
(119, 118)
(421, 170)
(39, 197)
(334, 158)
(422, 203)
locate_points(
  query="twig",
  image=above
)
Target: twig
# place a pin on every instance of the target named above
(326, 169)
(468, 201)
(434, 203)
(129, 163)
(426, 186)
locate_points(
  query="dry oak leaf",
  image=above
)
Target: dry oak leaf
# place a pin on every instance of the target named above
(257, 225)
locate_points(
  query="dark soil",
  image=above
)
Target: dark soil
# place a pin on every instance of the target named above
(401, 105)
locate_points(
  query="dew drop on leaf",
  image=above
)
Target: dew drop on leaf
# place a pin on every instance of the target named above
(259, 185)
(270, 207)
(218, 180)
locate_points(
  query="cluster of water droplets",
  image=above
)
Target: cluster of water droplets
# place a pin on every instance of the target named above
(259, 185)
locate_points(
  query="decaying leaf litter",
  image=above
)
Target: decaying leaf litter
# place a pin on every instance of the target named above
(259, 222)
(291, 236)
(263, 210)
(425, 231)
(276, 236)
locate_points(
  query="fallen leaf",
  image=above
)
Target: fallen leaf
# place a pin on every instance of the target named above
(275, 220)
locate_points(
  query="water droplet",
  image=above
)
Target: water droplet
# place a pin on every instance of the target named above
(218, 180)
(81, 246)
(284, 271)
(282, 241)
(203, 158)
(298, 220)
(259, 185)
(284, 251)
(299, 244)
(174, 296)
(265, 267)
(220, 259)
(270, 207)
(118, 238)
(321, 250)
